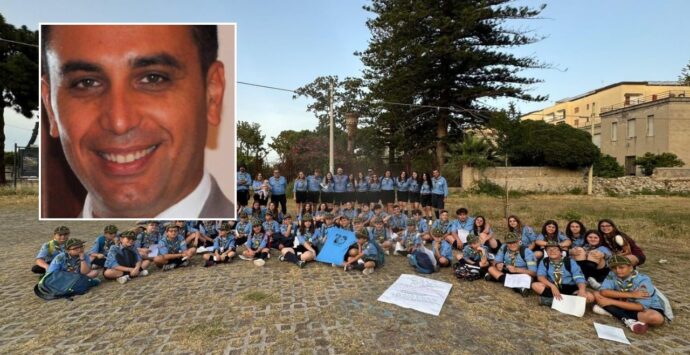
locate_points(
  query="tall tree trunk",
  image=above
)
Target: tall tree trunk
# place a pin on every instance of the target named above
(34, 135)
(2, 144)
(441, 133)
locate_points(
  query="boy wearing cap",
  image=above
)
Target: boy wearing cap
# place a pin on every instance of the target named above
(381, 235)
(422, 224)
(242, 229)
(443, 251)
(630, 296)
(558, 275)
(124, 261)
(271, 226)
(322, 232)
(475, 254)
(50, 250)
(149, 237)
(73, 259)
(286, 234)
(444, 225)
(224, 247)
(409, 239)
(367, 255)
(513, 258)
(172, 250)
(256, 245)
(103, 243)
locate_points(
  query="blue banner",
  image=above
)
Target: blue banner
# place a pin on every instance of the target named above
(338, 241)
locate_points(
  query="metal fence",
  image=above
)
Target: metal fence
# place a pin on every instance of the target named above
(25, 163)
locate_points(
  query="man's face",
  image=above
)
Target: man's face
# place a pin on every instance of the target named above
(127, 242)
(276, 173)
(171, 233)
(623, 271)
(340, 171)
(61, 238)
(436, 173)
(129, 102)
(151, 228)
(462, 217)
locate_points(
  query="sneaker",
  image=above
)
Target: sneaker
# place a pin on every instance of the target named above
(184, 263)
(334, 265)
(600, 310)
(487, 277)
(348, 267)
(545, 301)
(301, 264)
(185, 258)
(216, 258)
(268, 255)
(123, 279)
(636, 326)
(593, 283)
(201, 250)
(564, 254)
(168, 267)
(388, 252)
(144, 273)
(281, 258)
(245, 257)
(259, 262)
(209, 263)
(368, 271)
(524, 292)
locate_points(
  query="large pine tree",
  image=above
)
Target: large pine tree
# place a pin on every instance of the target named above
(446, 54)
(18, 76)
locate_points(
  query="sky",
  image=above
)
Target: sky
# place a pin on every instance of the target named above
(287, 44)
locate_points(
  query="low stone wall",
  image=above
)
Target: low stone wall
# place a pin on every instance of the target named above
(532, 179)
(671, 174)
(635, 184)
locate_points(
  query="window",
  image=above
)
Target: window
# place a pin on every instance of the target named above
(650, 126)
(577, 110)
(614, 131)
(597, 140)
(588, 106)
(560, 114)
(631, 128)
(550, 117)
(577, 123)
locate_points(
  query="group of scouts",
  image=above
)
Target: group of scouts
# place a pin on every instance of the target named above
(597, 264)
(425, 191)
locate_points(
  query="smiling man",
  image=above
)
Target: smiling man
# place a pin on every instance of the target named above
(131, 105)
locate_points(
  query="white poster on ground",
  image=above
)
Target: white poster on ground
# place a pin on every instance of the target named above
(518, 281)
(573, 305)
(611, 333)
(418, 293)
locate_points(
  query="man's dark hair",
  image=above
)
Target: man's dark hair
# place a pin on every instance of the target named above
(205, 37)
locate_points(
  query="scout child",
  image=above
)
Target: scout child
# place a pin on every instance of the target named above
(73, 259)
(558, 275)
(513, 258)
(322, 232)
(443, 225)
(381, 235)
(50, 250)
(575, 231)
(486, 234)
(242, 229)
(224, 248)
(550, 232)
(592, 258)
(286, 234)
(103, 243)
(256, 245)
(409, 239)
(462, 226)
(271, 226)
(304, 249)
(443, 251)
(345, 223)
(147, 239)
(397, 221)
(124, 261)
(631, 297)
(475, 254)
(368, 255)
(172, 250)
(620, 243)
(422, 225)
(525, 233)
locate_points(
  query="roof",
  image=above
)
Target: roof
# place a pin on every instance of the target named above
(648, 83)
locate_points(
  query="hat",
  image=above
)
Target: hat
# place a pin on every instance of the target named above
(328, 215)
(552, 244)
(345, 216)
(512, 238)
(243, 214)
(111, 228)
(437, 232)
(307, 217)
(142, 223)
(378, 220)
(225, 226)
(361, 235)
(411, 222)
(170, 226)
(617, 260)
(287, 216)
(358, 220)
(128, 234)
(472, 238)
(73, 243)
(256, 222)
(152, 221)
(61, 230)
(269, 213)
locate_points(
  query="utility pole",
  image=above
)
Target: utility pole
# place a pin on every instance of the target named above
(591, 167)
(330, 133)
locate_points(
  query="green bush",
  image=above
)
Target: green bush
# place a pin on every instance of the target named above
(607, 166)
(570, 216)
(650, 161)
(490, 188)
(451, 172)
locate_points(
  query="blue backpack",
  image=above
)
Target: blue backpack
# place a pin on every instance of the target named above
(63, 284)
(421, 262)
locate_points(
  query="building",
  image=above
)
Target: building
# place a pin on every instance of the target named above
(656, 123)
(582, 110)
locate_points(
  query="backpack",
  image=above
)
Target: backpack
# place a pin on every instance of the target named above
(421, 262)
(63, 284)
(380, 254)
(566, 263)
(467, 272)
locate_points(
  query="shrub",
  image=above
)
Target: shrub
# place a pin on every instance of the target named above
(490, 188)
(607, 166)
(650, 161)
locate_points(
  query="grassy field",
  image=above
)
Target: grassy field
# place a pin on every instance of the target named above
(319, 309)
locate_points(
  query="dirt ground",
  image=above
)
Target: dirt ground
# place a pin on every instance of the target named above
(240, 308)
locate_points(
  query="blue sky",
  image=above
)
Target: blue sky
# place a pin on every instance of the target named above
(289, 43)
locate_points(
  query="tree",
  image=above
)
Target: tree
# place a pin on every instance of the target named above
(250, 150)
(18, 72)
(348, 96)
(606, 166)
(650, 161)
(444, 56)
(474, 151)
(685, 75)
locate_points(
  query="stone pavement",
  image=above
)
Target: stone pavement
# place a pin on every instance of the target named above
(240, 308)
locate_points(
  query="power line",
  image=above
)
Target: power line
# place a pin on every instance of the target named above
(22, 43)
(266, 86)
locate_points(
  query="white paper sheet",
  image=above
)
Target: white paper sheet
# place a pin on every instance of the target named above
(463, 233)
(418, 293)
(153, 251)
(573, 305)
(518, 281)
(611, 333)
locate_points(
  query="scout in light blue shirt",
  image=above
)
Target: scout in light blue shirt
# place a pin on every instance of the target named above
(256, 184)
(424, 188)
(244, 180)
(397, 220)
(256, 245)
(475, 254)
(103, 243)
(413, 185)
(528, 238)
(374, 184)
(572, 277)
(278, 185)
(403, 184)
(439, 186)
(73, 259)
(410, 239)
(300, 185)
(172, 249)
(558, 276)
(443, 223)
(224, 247)
(314, 182)
(270, 225)
(340, 181)
(443, 251)
(147, 238)
(387, 184)
(123, 261)
(50, 250)
(366, 255)
(513, 257)
(362, 185)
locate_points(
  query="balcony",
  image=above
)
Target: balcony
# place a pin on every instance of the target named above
(642, 100)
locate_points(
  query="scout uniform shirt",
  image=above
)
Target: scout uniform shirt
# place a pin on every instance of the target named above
(278, 185)
(65, 262)
(374, 185)
(473, 255)
(176, 246)
(50, 250)
(444, 226)
(306, 237)
(314, 183)
(223, 244)
(363, 186)
(634, 282)
(509, 257)
(411, 239)
(423, 226)
(244, 181)
(300, 185)
(102, 245)
(340, 183)
(527, 236)
(146, 240)
(446, 250)
(119, 255)
(402, 185)
(439, 186)
(558, 274)
(379, 235)
(387, 184)
(412, 185)
(425, 189)
(397, 221)
(256, 242)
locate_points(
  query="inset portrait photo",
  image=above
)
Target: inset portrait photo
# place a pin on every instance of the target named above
(138, 121)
